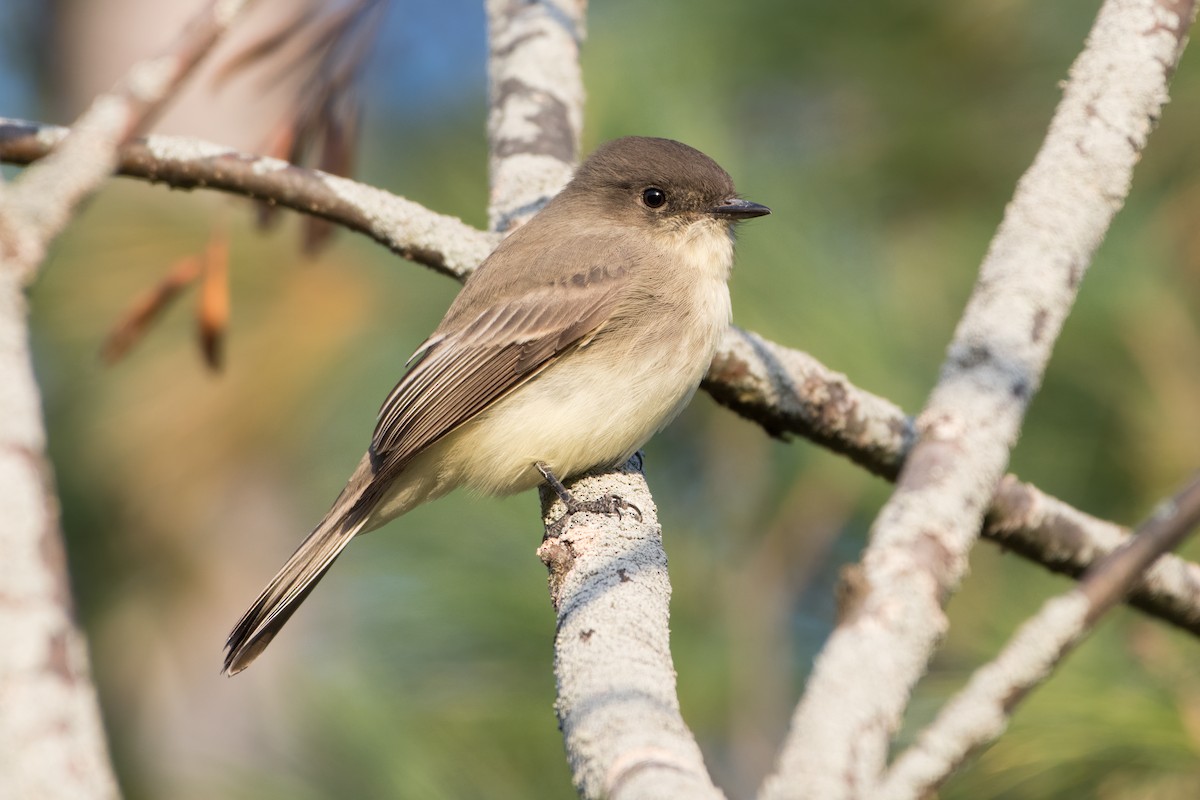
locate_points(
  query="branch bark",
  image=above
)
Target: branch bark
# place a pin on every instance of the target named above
(838, 743)
(51, 739)
(617, 701)
(979, 714)
(536, 104)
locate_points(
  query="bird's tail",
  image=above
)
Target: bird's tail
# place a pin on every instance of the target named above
(287, 590)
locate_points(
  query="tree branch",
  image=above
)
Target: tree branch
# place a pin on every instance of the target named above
(51, 739)
(790, 392)
(535, 91)
(440, 242)
(838, 743)
(617, 702)
(979, 714)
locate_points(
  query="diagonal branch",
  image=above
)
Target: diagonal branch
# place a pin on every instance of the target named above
(790, 392)
(41, 202)
(443, 243)
(785, 391)
(979, 714)
(840, 733)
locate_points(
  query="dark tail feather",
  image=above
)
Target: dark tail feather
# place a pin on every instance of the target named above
(287, 590)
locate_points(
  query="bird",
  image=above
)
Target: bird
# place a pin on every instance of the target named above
(584, 333)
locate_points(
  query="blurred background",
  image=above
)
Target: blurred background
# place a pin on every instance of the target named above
(887, 141)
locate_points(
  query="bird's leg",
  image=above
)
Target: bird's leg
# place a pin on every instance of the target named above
(608, 504)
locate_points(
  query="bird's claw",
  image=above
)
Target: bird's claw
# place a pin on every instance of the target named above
(613, 504)
(608, 504)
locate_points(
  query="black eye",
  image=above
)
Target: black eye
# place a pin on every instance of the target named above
(654, 197)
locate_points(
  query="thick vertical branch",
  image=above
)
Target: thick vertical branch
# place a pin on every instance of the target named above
(1064, 203)
(536, 99)
(617, 703)
(51, 739)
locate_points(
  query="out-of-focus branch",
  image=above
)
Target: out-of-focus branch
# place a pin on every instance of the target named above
(785, 391)
(617, 701)
(979, 714)
(51, 739)
(443, 243)
(838, 743)
(41, 202)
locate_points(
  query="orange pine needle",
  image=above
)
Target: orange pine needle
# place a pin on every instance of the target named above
(148, 306)
(212, 310)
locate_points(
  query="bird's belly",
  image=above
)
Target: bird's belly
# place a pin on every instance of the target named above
(567, 419)
(593, 409)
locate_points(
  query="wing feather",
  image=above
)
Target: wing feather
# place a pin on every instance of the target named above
(459, 374)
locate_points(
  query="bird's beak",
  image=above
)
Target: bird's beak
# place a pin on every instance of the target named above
(736, 208)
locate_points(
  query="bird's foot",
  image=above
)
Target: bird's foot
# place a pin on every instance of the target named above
(607, 504)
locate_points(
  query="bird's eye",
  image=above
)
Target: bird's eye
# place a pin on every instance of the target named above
(654, 197)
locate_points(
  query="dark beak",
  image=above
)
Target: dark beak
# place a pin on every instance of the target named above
(736, 208)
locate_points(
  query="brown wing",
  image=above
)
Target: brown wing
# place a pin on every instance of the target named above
(457, 375)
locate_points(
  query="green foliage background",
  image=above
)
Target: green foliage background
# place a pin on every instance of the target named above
(887, 139)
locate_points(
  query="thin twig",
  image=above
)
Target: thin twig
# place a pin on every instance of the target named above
(979, 714)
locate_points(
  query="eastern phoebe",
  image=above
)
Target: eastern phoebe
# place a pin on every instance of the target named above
(582, 335)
